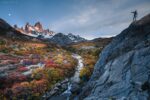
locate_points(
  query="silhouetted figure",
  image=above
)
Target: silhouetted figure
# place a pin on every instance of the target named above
(134, 15)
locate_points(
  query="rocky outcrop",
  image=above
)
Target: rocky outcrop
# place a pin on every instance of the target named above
(38, 26)
(56, 90)
(63, 39)
(75, 38)
(60, 39)
(123, 70)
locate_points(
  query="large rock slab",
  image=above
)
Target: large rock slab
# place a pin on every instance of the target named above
(123, 70)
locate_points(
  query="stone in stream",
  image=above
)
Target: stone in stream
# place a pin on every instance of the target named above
(75, 88)
(56, 88)
(64, 86)
(65, 81)
(58, 84)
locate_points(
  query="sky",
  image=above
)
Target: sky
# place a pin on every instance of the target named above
(87, 18)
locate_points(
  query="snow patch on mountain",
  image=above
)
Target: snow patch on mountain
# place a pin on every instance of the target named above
(63, 39)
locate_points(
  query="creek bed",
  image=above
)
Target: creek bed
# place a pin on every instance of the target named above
(63, 90)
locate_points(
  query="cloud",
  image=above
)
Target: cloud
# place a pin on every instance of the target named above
(80, 19)
(100, 19)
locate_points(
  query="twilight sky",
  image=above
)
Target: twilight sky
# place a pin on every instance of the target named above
(87, 18)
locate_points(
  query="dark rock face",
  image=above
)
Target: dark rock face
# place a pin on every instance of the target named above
(60, 39)
(27, 27)
(63, 39)
(123, 70)
(4, 25)
(39, 26)
(75, 38)
(56, 91)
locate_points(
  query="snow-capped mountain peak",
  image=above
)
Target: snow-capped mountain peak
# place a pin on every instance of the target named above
(64, 39)
(75, 38)
(35, 31)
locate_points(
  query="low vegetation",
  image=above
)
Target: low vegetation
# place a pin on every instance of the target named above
(28, 69)
(89, 51)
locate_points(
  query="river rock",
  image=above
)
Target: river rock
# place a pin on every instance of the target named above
(75, 88)
(58, 84)
(65, 81)
(56, 88)
(64, 86)
(123, 69)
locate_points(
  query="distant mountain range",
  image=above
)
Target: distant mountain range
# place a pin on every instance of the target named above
(63, 39)
(37, 32)
(7, 31)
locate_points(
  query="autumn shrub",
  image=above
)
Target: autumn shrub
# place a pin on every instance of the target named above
(15, 77)
(85, 73)
(2, 42)
(58, 65)
(7, 93)
(53, 75)
(37, 73)
(5, 50)
(21, 78)
(2, 95)
(23, 69)
(37, 76)
(51, 64)
(39, 86)
(21, 90)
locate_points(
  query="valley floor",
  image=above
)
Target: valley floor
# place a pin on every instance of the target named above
(30, 70)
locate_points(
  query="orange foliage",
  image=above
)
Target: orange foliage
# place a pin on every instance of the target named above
(39, 86)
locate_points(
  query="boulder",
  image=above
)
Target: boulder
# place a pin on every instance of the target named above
(75, 88)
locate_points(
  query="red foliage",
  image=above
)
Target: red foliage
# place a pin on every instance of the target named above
(17, 89)
(22, 69)
(22, 78)
(50, 64)
(15, 77)
(39, 86)
(35, 61)
(68, 66)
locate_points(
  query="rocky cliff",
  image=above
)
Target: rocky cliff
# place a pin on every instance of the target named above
(123, 70)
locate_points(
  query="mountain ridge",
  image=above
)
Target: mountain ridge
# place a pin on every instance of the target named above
(64, 39)
(37, 32)
(8, 31)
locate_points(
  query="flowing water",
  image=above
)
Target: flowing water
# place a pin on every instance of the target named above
(75, 78)
(73, 81)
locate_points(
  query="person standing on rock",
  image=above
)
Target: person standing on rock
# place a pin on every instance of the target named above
(134, 15)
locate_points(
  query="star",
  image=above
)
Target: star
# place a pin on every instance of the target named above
(9, 14)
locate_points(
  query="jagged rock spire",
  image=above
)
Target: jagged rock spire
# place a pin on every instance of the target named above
(38, 26)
